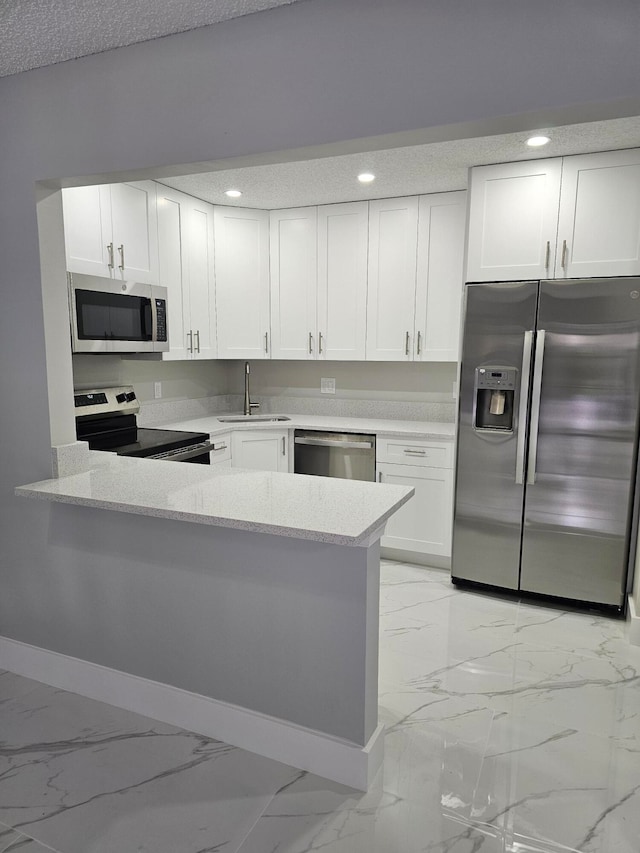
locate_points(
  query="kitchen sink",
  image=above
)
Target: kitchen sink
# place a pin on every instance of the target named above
(239, 419)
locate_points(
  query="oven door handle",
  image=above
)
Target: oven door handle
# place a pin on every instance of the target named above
(184, 454)
(333, 442)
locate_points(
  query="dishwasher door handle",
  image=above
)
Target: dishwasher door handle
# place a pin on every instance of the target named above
(332, 442)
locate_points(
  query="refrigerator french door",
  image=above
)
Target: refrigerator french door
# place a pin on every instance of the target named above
(547, 437)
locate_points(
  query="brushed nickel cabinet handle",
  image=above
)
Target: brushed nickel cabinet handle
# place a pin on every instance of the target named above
(197, 340)
(310, 343)
(284, 446)
(564, 254)
(266, 342)
(418, 344)
(190, 336)
(547, 256)
(379, 476)
(111, 263)
(406, 344)
(415, 452)
(121, 250)
(320, 343)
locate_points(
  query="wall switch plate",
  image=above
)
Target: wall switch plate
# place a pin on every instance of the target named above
(327, 386)
(157, 390)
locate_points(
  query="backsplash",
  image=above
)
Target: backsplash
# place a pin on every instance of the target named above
(340, 407)
(154, 412)
(161, 412)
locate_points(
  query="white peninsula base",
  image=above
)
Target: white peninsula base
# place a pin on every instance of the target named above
(268, 642)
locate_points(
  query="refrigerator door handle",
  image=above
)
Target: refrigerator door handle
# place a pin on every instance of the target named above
(525, 375)
(535, 406)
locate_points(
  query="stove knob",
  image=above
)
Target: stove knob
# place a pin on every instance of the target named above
(120, 398)
(130, 396)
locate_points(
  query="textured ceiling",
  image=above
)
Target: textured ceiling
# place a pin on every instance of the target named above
(34, 33)
(437, 167)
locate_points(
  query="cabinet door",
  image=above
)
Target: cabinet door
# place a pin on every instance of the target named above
(293, 239)
(393, 239)
(599, 222)
(87, 229)
(342, 281)
(172, 269)
(441, 233)
(200, 265)
(513, 217)
(134, 226)
(424, 523)
(260, 450)
(242, 282)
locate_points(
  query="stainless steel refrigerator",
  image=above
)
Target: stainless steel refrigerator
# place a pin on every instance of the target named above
(547, 437)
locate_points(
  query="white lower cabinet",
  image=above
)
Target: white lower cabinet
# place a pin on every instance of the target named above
(220, 455)
(423, 525)
(260, 450)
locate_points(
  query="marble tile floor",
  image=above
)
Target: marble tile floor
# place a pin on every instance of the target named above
(511, 728)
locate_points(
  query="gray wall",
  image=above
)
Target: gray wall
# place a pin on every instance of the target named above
(312, 73)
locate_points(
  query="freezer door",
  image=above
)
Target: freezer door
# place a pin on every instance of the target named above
(582, 456)
(498, 330)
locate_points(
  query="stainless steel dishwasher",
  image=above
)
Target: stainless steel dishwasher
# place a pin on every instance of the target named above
(351, 456)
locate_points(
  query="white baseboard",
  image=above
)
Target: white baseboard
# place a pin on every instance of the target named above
(307, 749)
(634, 623)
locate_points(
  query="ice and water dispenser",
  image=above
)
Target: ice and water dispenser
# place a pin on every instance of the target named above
(494, 394)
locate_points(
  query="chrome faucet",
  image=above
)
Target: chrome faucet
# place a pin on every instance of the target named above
(248, 405)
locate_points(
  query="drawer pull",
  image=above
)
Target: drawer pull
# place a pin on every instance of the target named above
(415, 452)
(219, 446)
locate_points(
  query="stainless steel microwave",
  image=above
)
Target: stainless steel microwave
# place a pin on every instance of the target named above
(116, 316)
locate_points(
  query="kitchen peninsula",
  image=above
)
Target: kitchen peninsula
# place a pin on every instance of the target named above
(263, 630)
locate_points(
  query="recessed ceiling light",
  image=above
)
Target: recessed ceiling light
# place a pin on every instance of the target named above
(537, 141)
(233, 193)
(366, 178)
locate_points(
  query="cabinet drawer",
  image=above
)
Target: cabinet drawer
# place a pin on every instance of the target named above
(430, 454)
(221, 445)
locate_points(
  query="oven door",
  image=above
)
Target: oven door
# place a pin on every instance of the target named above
(116, 316)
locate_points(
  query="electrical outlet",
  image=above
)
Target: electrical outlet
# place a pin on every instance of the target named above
(327, 386)
(157, 390)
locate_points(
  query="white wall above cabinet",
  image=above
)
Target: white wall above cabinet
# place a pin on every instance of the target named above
(110, 231)
(571, 217)
(242, 282)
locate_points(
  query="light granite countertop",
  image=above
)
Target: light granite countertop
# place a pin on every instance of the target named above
(342, 512)
(426, 430)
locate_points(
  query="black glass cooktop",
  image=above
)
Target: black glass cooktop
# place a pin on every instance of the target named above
(142, 441)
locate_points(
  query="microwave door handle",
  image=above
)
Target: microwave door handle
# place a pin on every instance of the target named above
(535, 406)
(523, 409)
(149, 319)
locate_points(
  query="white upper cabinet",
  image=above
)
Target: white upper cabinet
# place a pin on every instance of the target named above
(111, 231)
(342, 281)
(185, 243)
(172, 269)
(513, 218)
(393, 243)
(441, 235)
(293, 240)
(599, 221)
(242, 282)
